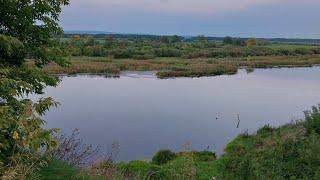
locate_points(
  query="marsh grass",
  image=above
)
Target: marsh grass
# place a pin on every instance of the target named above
(177, 67)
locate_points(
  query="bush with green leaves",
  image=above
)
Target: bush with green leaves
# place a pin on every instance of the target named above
(312, 123)
(204, 156)
(163, 156)
(12, 51)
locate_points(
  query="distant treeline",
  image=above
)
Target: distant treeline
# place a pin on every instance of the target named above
(192, 38)
(175, 46)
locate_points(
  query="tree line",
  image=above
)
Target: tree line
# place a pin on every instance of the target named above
(176, 46)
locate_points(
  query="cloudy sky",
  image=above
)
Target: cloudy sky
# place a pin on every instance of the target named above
(242, 18)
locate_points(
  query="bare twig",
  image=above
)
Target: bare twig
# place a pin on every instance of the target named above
(238, 121)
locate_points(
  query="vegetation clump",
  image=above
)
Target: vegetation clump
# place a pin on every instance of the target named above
(312, 123)
(163, 156)
(287, 152)
(171, 47)
(204, 156)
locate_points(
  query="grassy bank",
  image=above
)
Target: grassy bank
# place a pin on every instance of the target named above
(176, 67)
(291, 151)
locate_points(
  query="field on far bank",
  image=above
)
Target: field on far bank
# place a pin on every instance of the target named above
(178, 67)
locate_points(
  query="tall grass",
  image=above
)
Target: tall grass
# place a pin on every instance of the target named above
(175, 67)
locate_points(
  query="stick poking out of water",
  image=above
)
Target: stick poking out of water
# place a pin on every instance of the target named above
(238, 121)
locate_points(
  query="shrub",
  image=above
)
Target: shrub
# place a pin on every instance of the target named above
(204, 156)
(303, 51)
(167, 52)
(72, 150)
(134, 167)
(265, 130)
(284, 52)
(143, 56)
(122, 53)
(163, 156)
(12, 51)
(252, 42)
(312, 123)
(228, 40)
(316, 50)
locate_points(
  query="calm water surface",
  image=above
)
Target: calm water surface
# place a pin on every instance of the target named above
(145, 114)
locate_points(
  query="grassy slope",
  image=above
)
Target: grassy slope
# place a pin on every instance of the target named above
(287, 152)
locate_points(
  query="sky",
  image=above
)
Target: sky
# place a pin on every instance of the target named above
(238, 18)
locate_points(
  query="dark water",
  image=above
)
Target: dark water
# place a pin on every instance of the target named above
(145, 114)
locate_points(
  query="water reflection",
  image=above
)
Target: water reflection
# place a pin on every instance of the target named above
(145, 114)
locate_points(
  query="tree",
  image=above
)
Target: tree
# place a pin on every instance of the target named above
(76, 38)
(233, 41)
(27, 30)
(228, 40)
(76, 41)
(202, 38)
(164, 39)
(89, 41)
(251, 42)
(175, 39)
(109, 41)
(239, 42)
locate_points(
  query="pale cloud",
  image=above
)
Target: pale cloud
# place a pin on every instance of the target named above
(186, 6)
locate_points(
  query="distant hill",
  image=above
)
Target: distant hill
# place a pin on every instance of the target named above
(85, 32)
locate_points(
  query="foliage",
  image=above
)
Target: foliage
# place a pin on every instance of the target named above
(173, 46)
(186, 165)
(181, 168)
(233, 41)
(252, 42)
(24, 165)
(60, 170)
(72, 150)
(27, 29)
(163, 156)
(204, 156)
(312, 123)
(228, 40)
(12, 51)
(33, 23)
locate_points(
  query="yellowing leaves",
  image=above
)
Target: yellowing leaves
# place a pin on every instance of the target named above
(15, 135)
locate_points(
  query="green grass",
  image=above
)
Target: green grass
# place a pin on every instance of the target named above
(187, 165)
(58, 170)
(291, 46)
